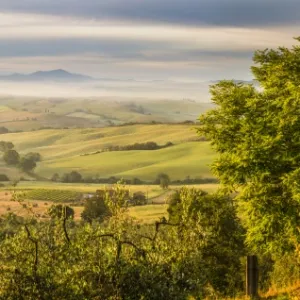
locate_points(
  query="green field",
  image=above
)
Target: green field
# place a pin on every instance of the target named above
(72, 149)
(51, 195)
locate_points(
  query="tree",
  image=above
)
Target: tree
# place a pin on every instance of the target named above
(27, 164)
(163, 180)
(95, 208)
(139, 198)
(11, 157)
(4, 146)
(72, 177)
(55, 177)
(256, 134)
(36, 157)
(75, 176)
(211, 219)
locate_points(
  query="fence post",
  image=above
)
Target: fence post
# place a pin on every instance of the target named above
(252, 276)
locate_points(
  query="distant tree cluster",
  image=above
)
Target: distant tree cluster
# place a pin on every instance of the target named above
(72, 177)
(139, 146)
(161, 179)
(11, 157)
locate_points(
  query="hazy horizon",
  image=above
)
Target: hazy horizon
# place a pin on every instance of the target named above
(121, 89)
(184, 41)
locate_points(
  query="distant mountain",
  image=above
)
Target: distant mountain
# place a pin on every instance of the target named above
(53, 75)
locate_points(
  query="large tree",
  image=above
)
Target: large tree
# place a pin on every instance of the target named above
(256, 132)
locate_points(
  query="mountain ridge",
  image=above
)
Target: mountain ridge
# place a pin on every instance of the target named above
(55, 75)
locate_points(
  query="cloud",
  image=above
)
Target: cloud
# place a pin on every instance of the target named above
(209, 38)
(141, 39)
(249, 13)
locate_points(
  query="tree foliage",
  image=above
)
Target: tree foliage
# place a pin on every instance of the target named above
(34, 156)
(213, 219)
(27, 164)
(5, 146)
(121, 259)
(256, 134)
(11, 157)
(95, 208)
(72, 177)
(163, 180)
(139, 198)
(61, 212)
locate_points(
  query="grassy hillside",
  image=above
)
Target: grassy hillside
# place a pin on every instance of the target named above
(72, 149)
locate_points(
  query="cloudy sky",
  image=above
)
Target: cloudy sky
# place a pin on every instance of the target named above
(183, 40)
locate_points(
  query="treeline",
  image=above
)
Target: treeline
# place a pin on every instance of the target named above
(136, 146)
(76, 177)
(186, 122)
(139, 146)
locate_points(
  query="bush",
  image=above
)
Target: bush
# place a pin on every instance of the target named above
(139, 198)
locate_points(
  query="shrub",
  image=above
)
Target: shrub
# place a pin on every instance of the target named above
(139, 198)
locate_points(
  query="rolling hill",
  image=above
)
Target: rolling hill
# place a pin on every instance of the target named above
(26, 113)
(74, 149)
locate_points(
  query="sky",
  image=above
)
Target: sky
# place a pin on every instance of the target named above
(183, 40)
